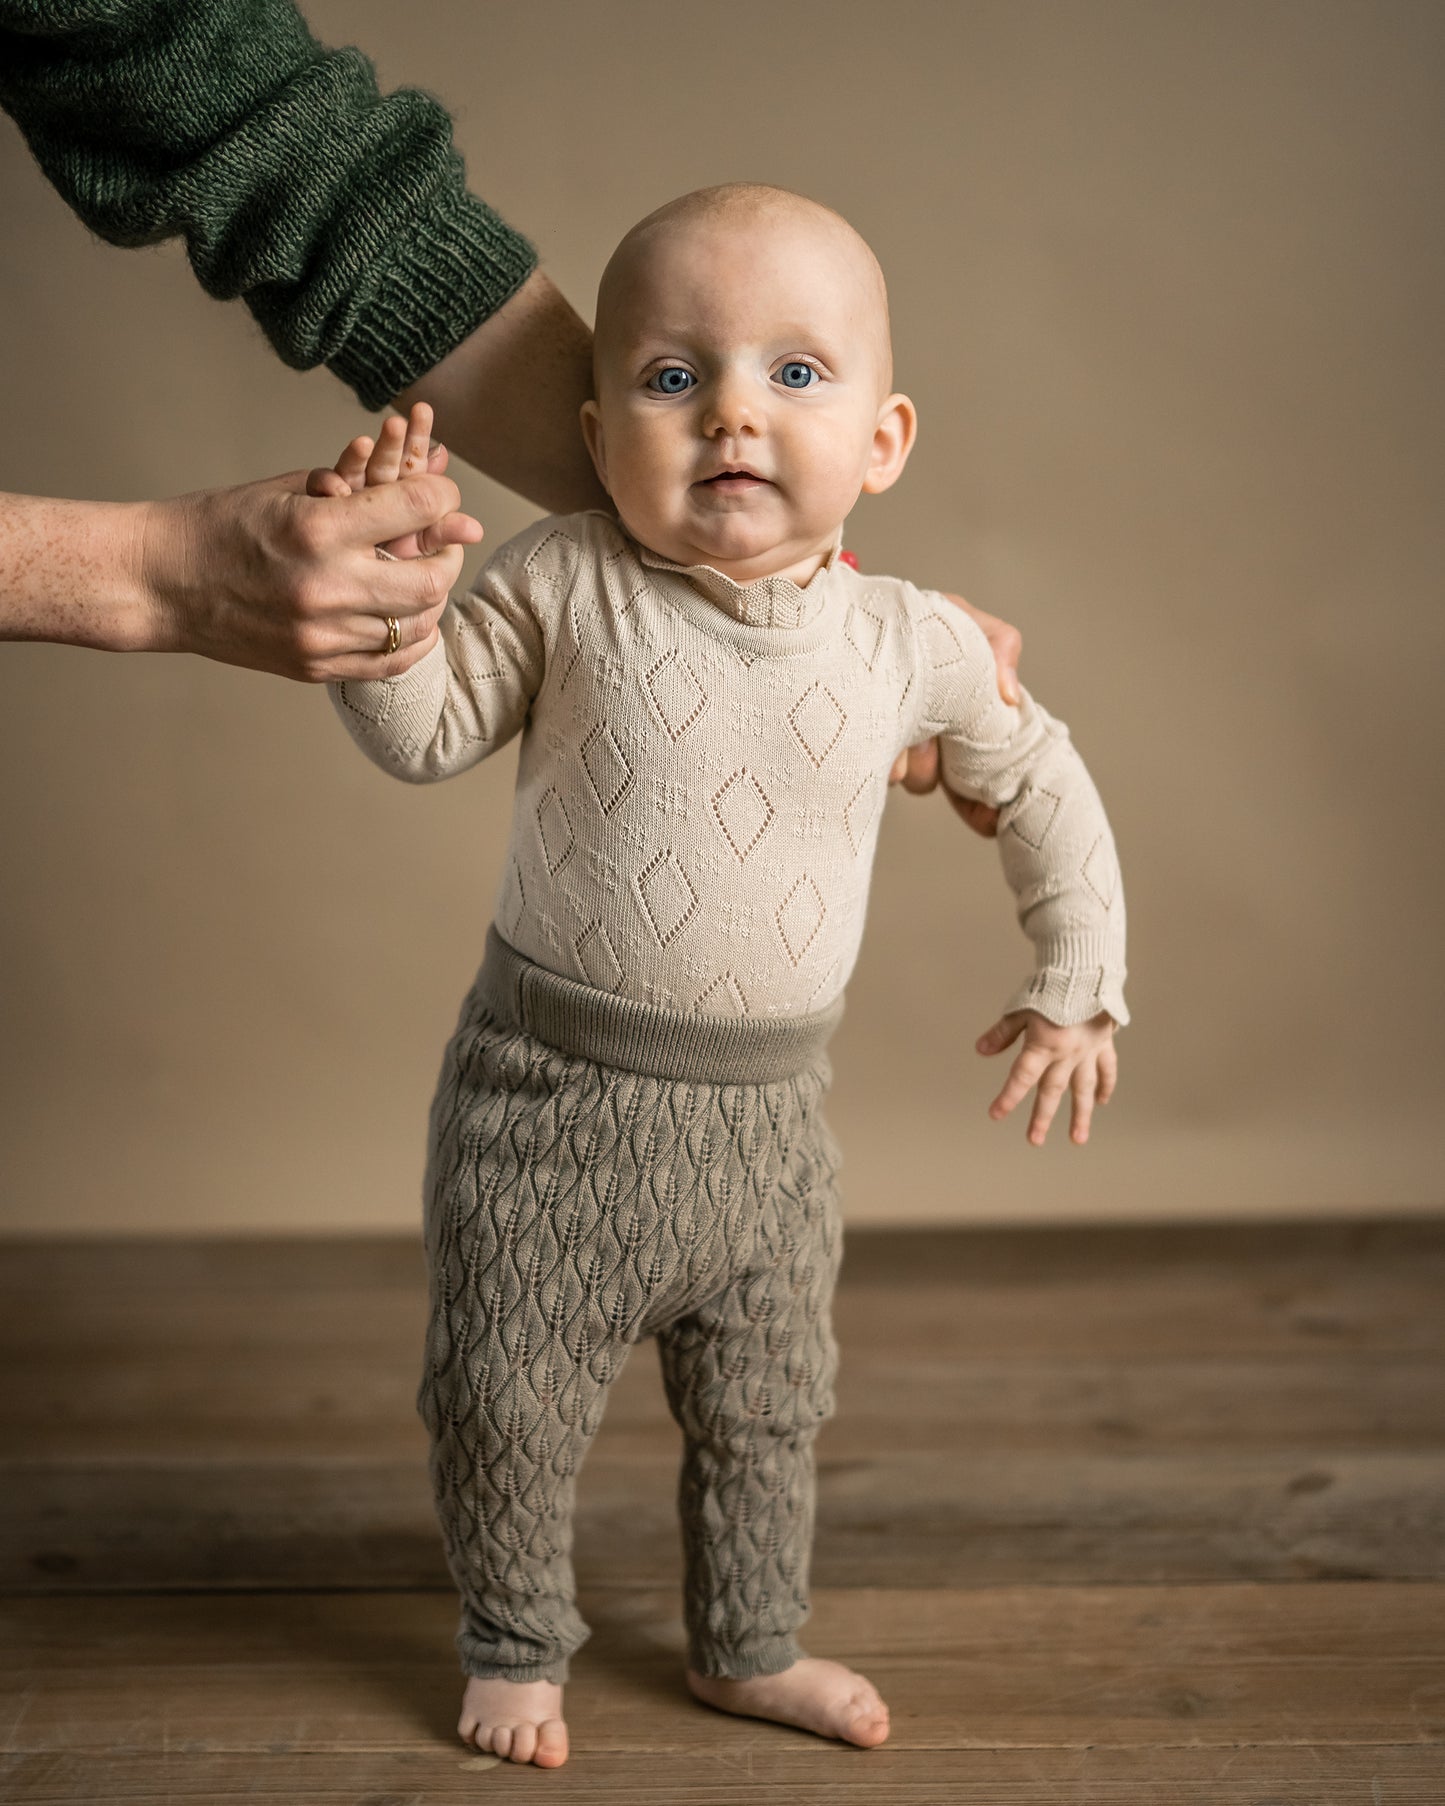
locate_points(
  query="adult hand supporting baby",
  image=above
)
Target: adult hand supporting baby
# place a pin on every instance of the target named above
(260, 576)
(917, 768)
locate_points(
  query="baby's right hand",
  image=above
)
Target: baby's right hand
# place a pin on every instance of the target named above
(402, 449)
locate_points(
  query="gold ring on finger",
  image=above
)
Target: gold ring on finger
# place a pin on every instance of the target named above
(393, 634)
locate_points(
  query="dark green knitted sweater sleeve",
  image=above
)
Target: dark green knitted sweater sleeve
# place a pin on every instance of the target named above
(340, 216)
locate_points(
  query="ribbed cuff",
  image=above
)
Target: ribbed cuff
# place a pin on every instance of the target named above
(1076, 978)
(454, 270)
(764, 1655)
(481, 1670)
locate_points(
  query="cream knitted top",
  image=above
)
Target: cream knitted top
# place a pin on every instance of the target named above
(704, 765)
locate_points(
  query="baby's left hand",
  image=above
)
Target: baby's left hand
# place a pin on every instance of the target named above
(1080, 1059)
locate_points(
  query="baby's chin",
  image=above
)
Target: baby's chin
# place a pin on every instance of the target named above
(745, 548)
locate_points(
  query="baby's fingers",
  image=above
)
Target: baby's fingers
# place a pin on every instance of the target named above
(1084, 1089)
(384, 464)
(416, 449)
(1003, 1033)
(1108, 1072)
(1026, 1072)
(1052, 1087)
(351, 465)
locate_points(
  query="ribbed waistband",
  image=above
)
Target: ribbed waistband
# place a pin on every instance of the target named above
(642, 1037)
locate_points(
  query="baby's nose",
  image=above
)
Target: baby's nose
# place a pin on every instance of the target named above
(731, 408)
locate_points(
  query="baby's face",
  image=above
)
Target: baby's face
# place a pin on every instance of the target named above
(742, 388)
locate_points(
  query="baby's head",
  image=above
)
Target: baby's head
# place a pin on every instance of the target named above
(743, 377)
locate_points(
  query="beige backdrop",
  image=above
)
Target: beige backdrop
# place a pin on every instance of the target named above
(1169, 282)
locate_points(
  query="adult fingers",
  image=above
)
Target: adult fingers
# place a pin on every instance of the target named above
(921, 775)
(419, 634)
(451, 530)
(977, 816)
(409, 586)
(1005, 642)
(1052, 1087)
(376, 517)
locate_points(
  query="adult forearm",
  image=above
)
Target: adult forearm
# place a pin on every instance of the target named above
(262, 575)
(507, 399)
(341, 216)
(72, 572)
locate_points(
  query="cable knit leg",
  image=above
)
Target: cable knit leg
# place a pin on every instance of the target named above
(572, 1207)
(528, 1318)
(749, 1377)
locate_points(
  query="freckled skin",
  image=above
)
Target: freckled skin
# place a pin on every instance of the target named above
(59, 559)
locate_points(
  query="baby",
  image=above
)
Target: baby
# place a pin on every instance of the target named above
(627, 1138)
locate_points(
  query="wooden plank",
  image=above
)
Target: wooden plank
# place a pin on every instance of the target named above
(917, 1519)
(1177, 1290)
(273, 1404)
(1021, 1667)
(1302, 1775)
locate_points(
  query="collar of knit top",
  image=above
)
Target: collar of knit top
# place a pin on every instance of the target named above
(766, 601)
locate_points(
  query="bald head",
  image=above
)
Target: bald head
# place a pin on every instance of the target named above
(720, 233)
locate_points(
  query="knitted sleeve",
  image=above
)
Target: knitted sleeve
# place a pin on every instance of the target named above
(1053, 836)
(472, 691)
(340, 216)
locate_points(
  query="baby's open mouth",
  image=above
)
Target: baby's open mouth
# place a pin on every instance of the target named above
(733, 479)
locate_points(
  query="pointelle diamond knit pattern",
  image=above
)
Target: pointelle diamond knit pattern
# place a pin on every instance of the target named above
(705, 764)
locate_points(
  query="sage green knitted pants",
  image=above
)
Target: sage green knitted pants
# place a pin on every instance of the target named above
(600, 1171)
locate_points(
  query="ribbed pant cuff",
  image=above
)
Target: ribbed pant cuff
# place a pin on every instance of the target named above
(478, 1669)
(771, 1655)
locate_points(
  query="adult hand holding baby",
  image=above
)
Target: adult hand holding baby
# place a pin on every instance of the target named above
(917, 767)
(259, 576)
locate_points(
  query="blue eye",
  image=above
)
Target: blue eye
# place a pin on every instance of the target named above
(673, 380)
(797, 376)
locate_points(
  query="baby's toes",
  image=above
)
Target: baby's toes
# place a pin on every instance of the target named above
(551, 1744)
(524, 1743)
(867, 1718)
(501, 1739)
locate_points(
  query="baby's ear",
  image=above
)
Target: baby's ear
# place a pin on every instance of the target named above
(592, 434)
(893, 437)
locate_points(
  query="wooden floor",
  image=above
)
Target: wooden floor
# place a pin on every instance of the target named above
(1137, 1515)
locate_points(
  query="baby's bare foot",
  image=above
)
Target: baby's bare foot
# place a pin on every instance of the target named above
(521, 1720)
(813, 1694)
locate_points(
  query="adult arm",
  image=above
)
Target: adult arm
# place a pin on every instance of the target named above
(262, 575)
(340, 216)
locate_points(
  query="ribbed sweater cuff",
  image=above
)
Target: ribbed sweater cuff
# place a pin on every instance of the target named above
(1077, 976)
(454, 270)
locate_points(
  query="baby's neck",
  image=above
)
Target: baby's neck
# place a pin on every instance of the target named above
(798, 571)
